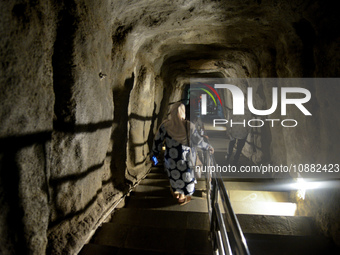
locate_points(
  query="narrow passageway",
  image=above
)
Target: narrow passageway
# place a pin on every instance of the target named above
(85, 84)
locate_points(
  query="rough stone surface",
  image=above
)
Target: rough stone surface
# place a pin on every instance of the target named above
(26, 112)
(80, 177)
(321, 205)
(84, 85)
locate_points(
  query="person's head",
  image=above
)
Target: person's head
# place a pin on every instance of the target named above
(175, 125)
(178, 111)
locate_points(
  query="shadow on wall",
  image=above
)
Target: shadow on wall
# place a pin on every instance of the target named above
(118, 154)
(121, 98)
(151, 134)
(11, 180)
(149, 141)
(14, 205)
(55, 184)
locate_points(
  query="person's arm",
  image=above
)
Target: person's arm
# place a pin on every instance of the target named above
(158, 141)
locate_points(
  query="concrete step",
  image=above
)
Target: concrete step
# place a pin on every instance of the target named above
(197, 204)
(155, 182)
(138, 237)
(95, 249)
(258, 196)
(153, 239)
(259, 244)
(250, 200)
(162, 219)
(157, 169)
(254, 224)
(264, 208)
(157, 175)
(91, 249)
(277, 225)
(164, 183)
(151, 191)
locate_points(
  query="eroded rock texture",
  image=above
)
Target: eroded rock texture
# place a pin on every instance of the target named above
(84, 85)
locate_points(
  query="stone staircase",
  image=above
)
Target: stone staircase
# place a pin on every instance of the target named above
(152, 223)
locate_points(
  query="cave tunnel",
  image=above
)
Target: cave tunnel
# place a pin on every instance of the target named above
(84, 87)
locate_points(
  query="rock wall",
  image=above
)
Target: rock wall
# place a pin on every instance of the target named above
(80, 172)
(84, 85)
(75, 131)
(27, 35)
(57, 124)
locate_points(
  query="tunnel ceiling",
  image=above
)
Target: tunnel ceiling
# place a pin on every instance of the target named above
(233, 34)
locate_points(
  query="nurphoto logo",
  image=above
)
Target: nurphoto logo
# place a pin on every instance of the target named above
(296, 96)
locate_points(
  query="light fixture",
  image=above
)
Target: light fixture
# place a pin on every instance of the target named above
(301, 185)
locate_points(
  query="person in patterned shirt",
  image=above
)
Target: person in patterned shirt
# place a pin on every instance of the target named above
(178, 134)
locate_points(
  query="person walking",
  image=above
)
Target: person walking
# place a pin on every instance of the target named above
(178, 134)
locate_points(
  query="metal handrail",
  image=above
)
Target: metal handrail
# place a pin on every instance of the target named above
(236, 243)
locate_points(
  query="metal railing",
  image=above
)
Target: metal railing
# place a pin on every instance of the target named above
(226, 234)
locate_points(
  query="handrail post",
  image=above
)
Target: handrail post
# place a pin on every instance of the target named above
(219, 235)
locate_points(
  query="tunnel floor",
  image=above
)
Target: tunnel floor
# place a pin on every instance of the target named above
(153, 223)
